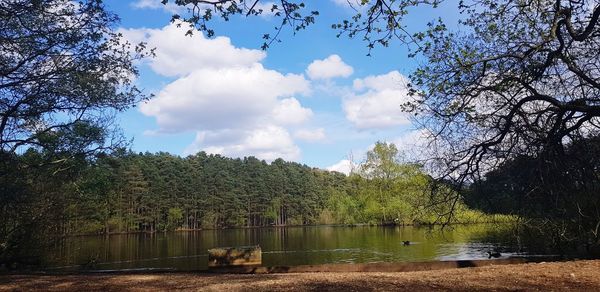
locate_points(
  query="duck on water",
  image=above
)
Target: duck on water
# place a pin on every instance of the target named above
(493, 254)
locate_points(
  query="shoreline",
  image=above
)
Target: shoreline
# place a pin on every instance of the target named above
(288, 226)
(580, 275)
(316, 268)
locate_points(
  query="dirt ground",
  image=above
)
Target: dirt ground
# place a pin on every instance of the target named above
(555, 276)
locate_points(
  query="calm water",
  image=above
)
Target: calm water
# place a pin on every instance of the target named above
(284, 246)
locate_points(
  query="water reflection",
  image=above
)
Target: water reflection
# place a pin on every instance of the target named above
(283, 246)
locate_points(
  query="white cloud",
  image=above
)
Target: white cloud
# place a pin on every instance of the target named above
(290, 112)
(376, 102)
(330, 67)
(179, 55)
(392, 80)
(310, 135)
(268, 143)
(236, 106)
(222, 98)
(344, 166)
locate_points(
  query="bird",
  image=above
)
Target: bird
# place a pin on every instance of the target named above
(493, 254)
(406, 242)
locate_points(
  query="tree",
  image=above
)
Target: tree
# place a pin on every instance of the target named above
(393, 189)
(36, 204)
(522, 78)
(560, 192)
(381, 167)
(63, 74)
(382, 162)
(61, 65)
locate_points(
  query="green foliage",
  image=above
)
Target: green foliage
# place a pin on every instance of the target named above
(64, 72)
(36, 203)
(160, 192)
(554, 191)
(174, 218)
(342, 208)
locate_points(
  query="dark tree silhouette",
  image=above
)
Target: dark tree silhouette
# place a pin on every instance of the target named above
(61, 65)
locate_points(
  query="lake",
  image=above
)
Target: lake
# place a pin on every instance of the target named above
(187, 250)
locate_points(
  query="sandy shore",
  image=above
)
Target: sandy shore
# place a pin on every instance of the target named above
(556, 276)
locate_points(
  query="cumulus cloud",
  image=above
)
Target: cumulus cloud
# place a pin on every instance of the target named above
(310, 135)
(344, 166)
(225, 98)
(376, 101)
(236, 106)
(290, 112)
(179, 55)
(268, 143)
(328, 68)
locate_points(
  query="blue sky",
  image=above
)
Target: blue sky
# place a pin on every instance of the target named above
(313, 98)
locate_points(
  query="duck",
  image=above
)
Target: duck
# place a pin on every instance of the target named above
(405, 242)
(493, 254)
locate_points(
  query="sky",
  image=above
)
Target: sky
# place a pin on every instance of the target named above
(313, 98)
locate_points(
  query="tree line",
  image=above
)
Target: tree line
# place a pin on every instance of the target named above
(149, 192)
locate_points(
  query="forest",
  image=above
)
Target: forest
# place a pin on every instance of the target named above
(133, 192)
